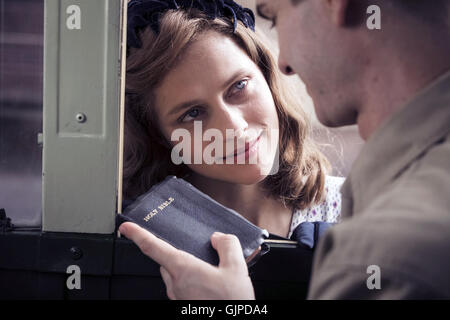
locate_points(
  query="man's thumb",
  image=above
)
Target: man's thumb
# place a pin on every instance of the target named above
(230, 251)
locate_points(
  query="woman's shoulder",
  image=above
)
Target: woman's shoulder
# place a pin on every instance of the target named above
(329, 210)
(333, 187)
(333, 180)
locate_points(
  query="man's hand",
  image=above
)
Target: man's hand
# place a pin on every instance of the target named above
(187, 277)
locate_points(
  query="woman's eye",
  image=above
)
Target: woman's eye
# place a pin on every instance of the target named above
(238, 86)
(190, 115)
(241, 84)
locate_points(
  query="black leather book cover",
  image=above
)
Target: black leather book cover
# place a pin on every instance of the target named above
(177, 212)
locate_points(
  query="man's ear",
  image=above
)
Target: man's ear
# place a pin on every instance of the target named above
(338, 11)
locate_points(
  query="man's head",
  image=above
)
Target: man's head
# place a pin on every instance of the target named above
(328, 43)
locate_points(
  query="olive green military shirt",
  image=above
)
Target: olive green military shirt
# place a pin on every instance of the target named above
(394, 241)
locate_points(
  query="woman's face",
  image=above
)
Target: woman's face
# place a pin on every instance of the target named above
(217, 99)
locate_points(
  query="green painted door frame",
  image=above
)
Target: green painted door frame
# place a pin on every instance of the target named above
(83, 92)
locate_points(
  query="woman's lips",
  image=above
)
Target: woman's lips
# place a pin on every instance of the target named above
(249, 146)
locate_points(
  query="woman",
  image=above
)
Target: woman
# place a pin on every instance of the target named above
(186, 69)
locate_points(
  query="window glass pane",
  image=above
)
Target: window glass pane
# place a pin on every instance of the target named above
(21, 92)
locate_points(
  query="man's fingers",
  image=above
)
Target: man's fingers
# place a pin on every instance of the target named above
(230, 251)
(157, 249)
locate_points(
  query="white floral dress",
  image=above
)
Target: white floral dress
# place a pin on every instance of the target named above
(328, 211)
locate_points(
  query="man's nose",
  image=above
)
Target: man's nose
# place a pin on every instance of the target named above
(284, 67)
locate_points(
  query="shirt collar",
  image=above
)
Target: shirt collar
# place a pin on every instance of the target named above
(397, 142)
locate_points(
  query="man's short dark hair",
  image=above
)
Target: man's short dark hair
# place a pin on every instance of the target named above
(436, 11)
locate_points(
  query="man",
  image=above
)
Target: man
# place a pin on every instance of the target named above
(394, 83)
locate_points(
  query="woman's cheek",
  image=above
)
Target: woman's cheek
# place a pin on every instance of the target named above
(262, 109)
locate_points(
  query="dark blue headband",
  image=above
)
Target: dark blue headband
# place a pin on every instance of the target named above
(143, 13)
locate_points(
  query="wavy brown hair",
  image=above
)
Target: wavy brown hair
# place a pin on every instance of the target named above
(300, 180)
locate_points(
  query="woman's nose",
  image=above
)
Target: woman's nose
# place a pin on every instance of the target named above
(230, 117)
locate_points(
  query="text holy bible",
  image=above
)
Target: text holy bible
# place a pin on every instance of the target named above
(180, 214)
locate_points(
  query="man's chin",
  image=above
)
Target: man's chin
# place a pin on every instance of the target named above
(335, 119)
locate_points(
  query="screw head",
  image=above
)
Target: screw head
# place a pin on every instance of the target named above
(81, 117)
(76, 253)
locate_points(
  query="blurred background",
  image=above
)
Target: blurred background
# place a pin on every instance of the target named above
(21, 95)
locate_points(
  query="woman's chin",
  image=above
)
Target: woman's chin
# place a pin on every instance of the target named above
(243, 174)
(246, 174)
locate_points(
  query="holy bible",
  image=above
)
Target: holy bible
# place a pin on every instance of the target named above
(180, 214)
